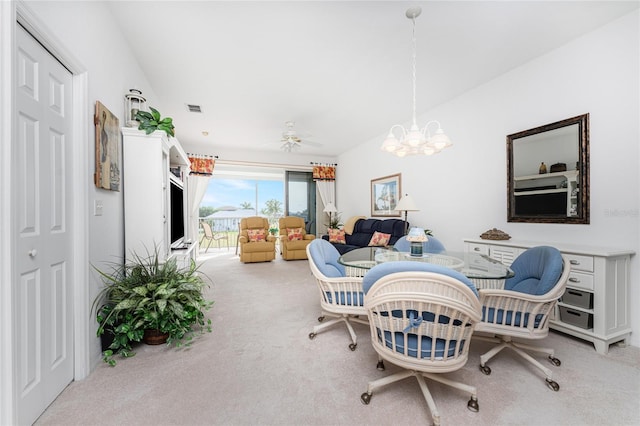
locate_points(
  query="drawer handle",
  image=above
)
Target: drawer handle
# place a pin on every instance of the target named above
(569, 311)
(575, 293)
(574, 280)
(574, 262)
(476, 249)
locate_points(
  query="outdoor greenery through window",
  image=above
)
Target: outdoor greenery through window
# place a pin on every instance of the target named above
(227, 201)
(235, 192)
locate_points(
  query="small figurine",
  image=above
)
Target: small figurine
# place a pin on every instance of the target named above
(543, 168)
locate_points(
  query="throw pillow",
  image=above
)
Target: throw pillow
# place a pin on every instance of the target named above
(336, 236)
(294, 234)
(256, 235)
(379, 239)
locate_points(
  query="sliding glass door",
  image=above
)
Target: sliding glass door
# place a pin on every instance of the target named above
(300, 197)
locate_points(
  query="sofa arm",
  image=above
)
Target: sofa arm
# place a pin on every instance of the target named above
(309, 237)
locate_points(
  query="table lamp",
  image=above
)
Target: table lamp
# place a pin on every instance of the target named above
(405, 205)
(417, 237)
(330, 208)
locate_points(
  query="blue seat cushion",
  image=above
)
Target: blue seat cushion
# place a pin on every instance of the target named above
(350, 298)
(426, 316)
(383, 269)
(432, 245)
(325, 256)
(537, 270)
(489, 315)
(412, 345)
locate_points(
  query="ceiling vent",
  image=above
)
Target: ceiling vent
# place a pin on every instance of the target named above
(194, 108)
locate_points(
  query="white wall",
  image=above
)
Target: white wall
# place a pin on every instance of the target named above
(462, 191)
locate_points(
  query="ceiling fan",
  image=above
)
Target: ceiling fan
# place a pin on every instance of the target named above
(291, 141)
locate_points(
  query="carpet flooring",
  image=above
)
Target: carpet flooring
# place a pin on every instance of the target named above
(258, 367)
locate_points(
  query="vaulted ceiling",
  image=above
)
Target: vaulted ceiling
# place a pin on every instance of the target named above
(341, 70)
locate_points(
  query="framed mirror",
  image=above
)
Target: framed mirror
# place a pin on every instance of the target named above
(548, 173)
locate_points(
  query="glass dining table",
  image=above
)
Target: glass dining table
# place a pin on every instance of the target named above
(482, 270)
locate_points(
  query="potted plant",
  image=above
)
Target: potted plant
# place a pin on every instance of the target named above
(335, 222)
(151, 121)
(146, 297)
(273, 230)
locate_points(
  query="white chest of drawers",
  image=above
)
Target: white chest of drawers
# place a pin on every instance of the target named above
(596, 304)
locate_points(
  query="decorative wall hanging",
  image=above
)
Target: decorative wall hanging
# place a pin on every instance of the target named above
(385, 193)
(108, 140)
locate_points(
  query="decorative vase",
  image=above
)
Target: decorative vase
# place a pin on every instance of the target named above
(154, 337)
(106, 339)
(543, 168)
(416, 248)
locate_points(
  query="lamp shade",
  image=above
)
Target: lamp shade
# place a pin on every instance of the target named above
(406, 204)
(417, 235)
(330, 208)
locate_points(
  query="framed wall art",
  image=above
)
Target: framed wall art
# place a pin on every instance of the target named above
(108, 140)
(385, 194)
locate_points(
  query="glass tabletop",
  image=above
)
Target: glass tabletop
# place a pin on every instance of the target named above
(472, 265)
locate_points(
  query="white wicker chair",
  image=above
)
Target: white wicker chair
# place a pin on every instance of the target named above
(433, 313)
(341, 296)
(509, 314)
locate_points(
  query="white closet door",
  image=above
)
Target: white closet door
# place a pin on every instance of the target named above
(42, 229)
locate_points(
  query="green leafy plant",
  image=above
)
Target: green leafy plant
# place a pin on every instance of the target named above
(335, 222)
(150, 122)
(146, 294)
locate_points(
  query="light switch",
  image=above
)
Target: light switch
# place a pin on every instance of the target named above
(97, 208)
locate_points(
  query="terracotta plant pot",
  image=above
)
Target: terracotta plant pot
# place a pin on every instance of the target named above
(154, 337)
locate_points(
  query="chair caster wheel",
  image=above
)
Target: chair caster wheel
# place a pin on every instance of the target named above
(353, 346)
(555, 361)
(380, 365)
(472, 405)
(312, 335)
(485, 369)
(320, 319)
(554, 386)
(365, 398)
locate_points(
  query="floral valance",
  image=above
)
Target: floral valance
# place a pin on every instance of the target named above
(202, 164)
(324, 173)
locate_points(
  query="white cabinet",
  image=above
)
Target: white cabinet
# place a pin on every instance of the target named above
(505, 255)
(147, 164)
(595, 306)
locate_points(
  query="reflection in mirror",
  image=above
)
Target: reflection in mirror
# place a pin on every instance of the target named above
(548, 173)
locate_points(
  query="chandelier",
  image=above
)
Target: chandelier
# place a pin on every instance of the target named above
(415, 141)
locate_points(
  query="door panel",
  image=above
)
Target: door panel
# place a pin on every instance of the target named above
(43, 285)
(300, 197)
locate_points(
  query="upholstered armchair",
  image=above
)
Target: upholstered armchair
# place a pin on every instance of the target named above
(256, 245)
(293, 238)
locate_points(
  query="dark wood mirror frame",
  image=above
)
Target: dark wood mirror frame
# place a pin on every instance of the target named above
(536, 197)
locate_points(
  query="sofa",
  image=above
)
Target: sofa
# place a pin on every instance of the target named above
(364, 230)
